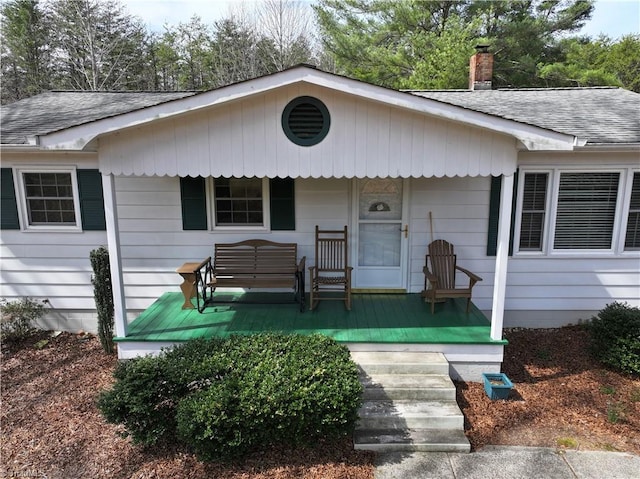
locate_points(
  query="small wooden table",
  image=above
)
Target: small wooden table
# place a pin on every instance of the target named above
(188, 286)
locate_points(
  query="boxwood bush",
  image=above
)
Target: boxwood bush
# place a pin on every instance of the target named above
(225, 397)
(615, 337)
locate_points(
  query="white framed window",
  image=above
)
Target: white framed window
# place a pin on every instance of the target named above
(49, 198)
(586, 210)
(533, 191)
(569, 211)
(240, 203)
(632, 235)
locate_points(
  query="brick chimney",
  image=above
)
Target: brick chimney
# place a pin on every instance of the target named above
(481, 69)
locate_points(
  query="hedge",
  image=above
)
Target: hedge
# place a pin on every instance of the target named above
(226, 397)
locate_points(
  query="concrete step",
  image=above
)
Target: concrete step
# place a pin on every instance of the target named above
(403, 414)
(409, 404)
(412, 440)
(400, 362)
(408, 386)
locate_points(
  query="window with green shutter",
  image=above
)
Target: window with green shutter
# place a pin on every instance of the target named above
(238, 202)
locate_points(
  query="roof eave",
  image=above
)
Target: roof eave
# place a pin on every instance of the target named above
(632, 147)
(531, 137)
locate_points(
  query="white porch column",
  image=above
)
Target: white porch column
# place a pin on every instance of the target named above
(502, 257)
(113, 243)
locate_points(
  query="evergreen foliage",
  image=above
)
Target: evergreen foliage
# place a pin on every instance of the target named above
(103, 294)
(425, 45)
(226, 397)
(615, 337)
(407, 44)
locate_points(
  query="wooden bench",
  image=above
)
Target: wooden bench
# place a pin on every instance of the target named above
(251, 264)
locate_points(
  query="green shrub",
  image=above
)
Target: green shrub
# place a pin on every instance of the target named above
(147, 390)
(103, 295)
(17, 318)
(225, 397)
(615, 337)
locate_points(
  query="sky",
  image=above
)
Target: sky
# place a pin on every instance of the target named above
(611, 17)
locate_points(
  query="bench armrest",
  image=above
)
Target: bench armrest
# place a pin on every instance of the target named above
(203, 264)
(302, 263)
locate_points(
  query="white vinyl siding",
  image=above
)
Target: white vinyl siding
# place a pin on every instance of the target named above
(52, 263)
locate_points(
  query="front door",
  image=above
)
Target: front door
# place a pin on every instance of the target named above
(381, 234)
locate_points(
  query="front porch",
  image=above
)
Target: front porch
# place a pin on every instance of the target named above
(377, 322)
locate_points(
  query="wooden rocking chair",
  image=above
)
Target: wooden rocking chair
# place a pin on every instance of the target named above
(441, 277)
(331, 273)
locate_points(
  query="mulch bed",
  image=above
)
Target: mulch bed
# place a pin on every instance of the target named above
(51, 427)
(561, 397)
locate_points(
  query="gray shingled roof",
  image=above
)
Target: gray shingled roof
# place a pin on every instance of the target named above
(57, 110)
(596, 114)
(599, 115)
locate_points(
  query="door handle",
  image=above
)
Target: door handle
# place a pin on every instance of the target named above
(405, 231)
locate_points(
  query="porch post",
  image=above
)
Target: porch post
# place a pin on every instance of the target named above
(113, 243)
(502, 257)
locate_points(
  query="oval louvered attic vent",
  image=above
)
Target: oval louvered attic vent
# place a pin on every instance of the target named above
(305, 121)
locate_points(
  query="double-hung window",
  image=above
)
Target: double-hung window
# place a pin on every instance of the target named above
(563, 211)
(49, 199)
(239, 202)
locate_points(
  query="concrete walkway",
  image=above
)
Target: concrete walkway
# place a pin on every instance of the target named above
(503, 462)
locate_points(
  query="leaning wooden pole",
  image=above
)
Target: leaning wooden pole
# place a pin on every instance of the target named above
(431, 225)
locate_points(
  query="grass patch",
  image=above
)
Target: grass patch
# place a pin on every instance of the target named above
(607, 390)
(615, 412)
(567, 442)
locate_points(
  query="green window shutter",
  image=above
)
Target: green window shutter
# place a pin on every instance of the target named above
(8, 204)
(91, 200)
(494, 214)
(283, 209)
(193, 197)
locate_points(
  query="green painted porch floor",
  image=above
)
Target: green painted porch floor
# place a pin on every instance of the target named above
(374, 318)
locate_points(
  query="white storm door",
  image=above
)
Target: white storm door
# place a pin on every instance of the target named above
(381, 232)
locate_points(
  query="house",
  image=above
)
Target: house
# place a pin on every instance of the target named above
(538, 189)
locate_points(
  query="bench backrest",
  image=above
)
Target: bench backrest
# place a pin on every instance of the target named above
(256, 256)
